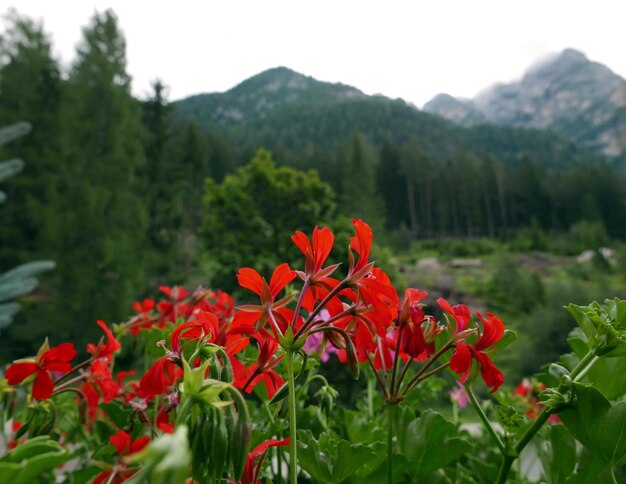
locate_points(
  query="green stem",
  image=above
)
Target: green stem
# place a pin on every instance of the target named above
(371, 384)
(485, 420)
(505, 468)
(429, 362)
(394, 369)
(310, 319)
(293, 443)
(423, 377)
(183, 411)
(390, 417)
(582, 365)
(577, 373)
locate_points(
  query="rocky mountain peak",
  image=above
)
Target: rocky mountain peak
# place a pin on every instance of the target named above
(567, 93)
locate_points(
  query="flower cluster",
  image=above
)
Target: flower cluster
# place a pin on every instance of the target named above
(203, 345)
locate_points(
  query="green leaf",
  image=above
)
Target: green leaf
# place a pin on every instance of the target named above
(27, 462)
(117, 412)
(590, 468)
(607, 375)
(425, 438)
(558, 455)
(598, 425)
(151, 337)
(333, 461)
(508, 337)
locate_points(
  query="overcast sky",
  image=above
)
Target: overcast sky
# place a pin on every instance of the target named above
(407, 49)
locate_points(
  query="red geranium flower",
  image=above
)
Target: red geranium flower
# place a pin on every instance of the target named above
(125, 446)
(461, 361)
(255, 460)
(54, 359)
(102, 349)
(459, 313)
(251, 315)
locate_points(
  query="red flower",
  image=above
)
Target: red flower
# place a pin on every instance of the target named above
(361, 243)
(124, 446)
(145, 317)
(262, 369)
(461, 361)
(255, 460)
(174, 308)
(102, 349)
(249, 315)
(317, 252)
(161, 375)
(54, 359)
(460, 313)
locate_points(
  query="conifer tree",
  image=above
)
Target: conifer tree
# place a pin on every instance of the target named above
(30, 88)
(359, 198)
(101, 244)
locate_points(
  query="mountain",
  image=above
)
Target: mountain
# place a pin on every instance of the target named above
(259, 95)
(569, 94)
(291, 113)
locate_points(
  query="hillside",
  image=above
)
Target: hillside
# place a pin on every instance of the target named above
(290, 112)
(582, 100)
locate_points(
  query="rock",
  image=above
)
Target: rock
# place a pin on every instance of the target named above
(466, 263)
(428, 265)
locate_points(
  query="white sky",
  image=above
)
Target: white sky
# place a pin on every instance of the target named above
(408, 49)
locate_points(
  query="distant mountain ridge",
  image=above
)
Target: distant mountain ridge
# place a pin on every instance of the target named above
(261, 94)
(569, 94)
(292, 113)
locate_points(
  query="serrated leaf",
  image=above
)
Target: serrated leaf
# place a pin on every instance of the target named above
(333, 461)
(424, 439)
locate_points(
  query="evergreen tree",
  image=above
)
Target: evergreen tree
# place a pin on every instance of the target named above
(391, 183)
(101, 241)
(30, 89)
(359, 198)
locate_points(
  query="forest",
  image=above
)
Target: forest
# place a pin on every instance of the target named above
(262, 286)
(125, 194)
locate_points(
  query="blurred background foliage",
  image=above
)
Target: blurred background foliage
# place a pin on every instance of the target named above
(125, 194)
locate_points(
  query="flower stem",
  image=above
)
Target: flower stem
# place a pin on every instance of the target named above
(390, 417)
(485, 420)
(577, 373)
(293, 444)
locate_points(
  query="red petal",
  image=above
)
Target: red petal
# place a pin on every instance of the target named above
(121, 441)
(492, 377)
(154, 382)
(282, 276)
(63, 353)
(262, 448)
(250, 279)
(493, 329)
(361, 243)
(461, 361)
(17, 372)
(302, 242)
(138, 444)
(323, 240)
(43, 386)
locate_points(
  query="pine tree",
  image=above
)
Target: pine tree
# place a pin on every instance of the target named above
(30, 88)
(101, 241)
(359, 198)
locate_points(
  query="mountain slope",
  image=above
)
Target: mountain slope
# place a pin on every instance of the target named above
(569, 94)
(259, 95)
(286, 111)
